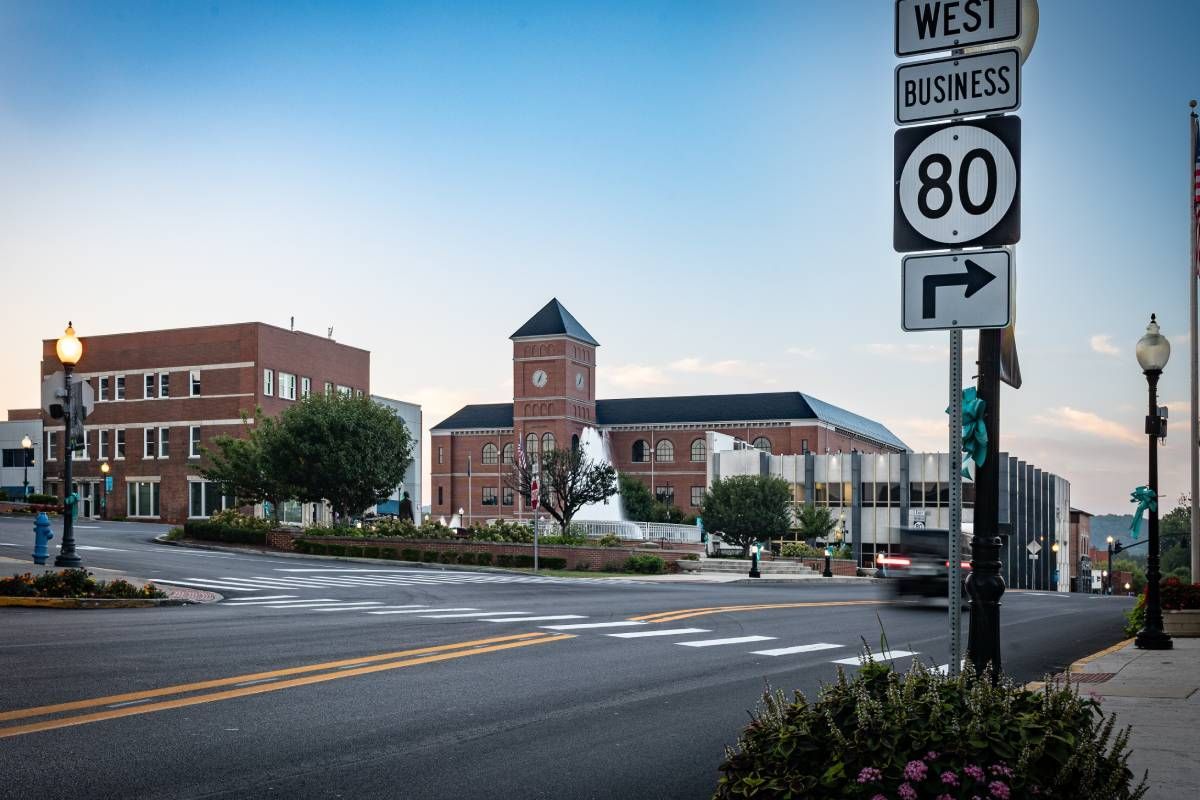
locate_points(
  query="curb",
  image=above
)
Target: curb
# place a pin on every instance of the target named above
(91, 602)
(1077, 666)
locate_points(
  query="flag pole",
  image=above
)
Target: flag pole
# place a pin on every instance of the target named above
(1193, 266)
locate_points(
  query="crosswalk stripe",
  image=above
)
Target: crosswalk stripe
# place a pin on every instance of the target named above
(347, 607)
(719, 642)
(209, 585)
(410, 606)
(262, 597)
(855, 661)
(262, 601)
(578, 626)
(309, 604)
(668, 632)
(803, 648)
(421, 611)
(475, 614)
(537, 619)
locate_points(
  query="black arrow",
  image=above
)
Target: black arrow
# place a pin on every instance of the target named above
(975, 278)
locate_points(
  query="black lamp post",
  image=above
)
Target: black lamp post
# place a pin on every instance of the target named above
(754, 573)
(1153, 350)
(27, 446)
(104, 470)
(69, 350)
(1106, 584)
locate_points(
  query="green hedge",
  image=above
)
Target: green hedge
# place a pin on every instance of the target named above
(645, 564)
(215, 532)
(408, 554)
(430, 556)
(466, 558)
(483, 559)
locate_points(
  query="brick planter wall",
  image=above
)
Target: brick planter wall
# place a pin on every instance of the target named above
(838, 566)
(597, 558)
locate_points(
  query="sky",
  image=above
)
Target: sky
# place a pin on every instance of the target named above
(706, 186)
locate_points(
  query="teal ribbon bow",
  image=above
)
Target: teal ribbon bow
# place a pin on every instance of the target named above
(974, 432)
(1145, 499)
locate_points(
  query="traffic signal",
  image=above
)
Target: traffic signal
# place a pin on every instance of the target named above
(1117, 547)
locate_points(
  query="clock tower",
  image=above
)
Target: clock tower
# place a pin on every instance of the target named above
(554, 379)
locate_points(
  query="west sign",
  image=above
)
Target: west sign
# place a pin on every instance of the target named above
(927, 26)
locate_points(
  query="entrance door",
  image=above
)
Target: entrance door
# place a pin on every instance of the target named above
(89, 500)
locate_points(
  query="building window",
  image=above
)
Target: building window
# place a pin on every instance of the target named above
(305, 387)
(506, 455)
(80, 453)
(344, 391)
(119, 445)
(804, 446)
(665, 495)
(148, 386)
(164, 442)
(102, 444)
(102, 389)
(506, 497)
(439, 502)
(287, 386)
(697, 496)
(164, 384)
(17, 457)
(148, 442)
(491, 454)
(762, 443)
(547, 443)
(358, 393)
(699, 450)
(194, 441)
(489, 495)
(531, 447)
(194, 383)
(441, 455)
(205, 499)
(641, 452)
(119, 388)
(142, 499)
(328, 389)
(51, 446)
(664, 451)
(268, 382)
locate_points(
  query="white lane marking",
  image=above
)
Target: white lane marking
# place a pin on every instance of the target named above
(719, 642)
(250, 601)
(86, 528)
(207, 585)
(94, 547)
(348, 607)
(179, 551)
(245, 586)
(410, 606)
(475, 614)
(668, 632)
(584, 625)
(804, 648)
(855, 661)
(305, 604)
(538, 619)
(421, 611)
(281, 600)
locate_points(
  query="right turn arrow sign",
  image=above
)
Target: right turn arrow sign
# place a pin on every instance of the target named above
(957, 290)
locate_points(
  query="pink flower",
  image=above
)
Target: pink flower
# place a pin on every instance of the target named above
(879, 797)
(999, 790)
(950, 778)
(932, 755)
(915, 770)
(907, 792)
(869, 775)
(1000, 768)
(944, 797)
(973, 771)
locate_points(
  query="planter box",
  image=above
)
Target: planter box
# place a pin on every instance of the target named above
(1185, 624)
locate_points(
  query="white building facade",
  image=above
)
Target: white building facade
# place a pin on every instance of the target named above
(20, 464)
(410, 414)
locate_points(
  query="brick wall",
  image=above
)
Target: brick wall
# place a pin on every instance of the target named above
(838, 566)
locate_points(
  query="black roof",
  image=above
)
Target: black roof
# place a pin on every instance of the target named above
(696, 409)
(554, 320)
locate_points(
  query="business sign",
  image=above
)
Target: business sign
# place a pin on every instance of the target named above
(958, 185)
(958, 86)
(927, 26)
(956, 290)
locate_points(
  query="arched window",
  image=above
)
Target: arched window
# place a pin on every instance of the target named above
(762, 443)
(491, 454)
(664, 451)
(547, 442)
(574, 442)
(641, 452)
(531, 446)
(699, 450)
(507, 454)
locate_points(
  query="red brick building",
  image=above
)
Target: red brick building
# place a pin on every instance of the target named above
(661, 440)
(162, 395)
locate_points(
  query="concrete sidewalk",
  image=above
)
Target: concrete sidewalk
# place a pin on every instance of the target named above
(1157, 692)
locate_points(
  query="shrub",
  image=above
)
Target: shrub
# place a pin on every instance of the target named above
(430, 556)
(448, 557)
(1175, 595)
(923, 734)
(232, 518)
(645, 564)
(388, 553)
(207, 530)
(609, 540)
(175, 534)
(335, 549)
(386, 526)
(800, 550)
(74, 583)
(370, 552)
(42, 499)
(408, 554)
(432, 529)
(504, 560)
(501, 531)
(316, 548)
(483, 559)
(571, 539)
(466, 558)
(582, 566)
(522, 560)
(354, 551)
(613, 566)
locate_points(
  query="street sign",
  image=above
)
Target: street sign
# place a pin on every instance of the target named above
(958, 185)
(1034, 548)
(926, 26)
(916, 518)
(83, 399)
(958, 86)
(108, 483)
(956, 290)
(51, 386)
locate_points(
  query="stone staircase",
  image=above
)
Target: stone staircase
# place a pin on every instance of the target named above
(791, 569)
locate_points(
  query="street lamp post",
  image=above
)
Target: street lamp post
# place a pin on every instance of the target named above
(69, 350)
(1153, 350)
(27, 447)
(1106, 584)
(1054, 574)
(104, 470)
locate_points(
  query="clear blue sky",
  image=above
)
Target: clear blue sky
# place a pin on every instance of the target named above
(706, 186)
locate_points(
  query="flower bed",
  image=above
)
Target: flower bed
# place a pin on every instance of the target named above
(75, 583)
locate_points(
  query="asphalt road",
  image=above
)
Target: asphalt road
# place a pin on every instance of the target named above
(304, 682)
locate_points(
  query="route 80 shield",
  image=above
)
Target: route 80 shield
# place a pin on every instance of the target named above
(958, 185)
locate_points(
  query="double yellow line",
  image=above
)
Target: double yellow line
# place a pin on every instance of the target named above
(270, 682)
(688, 613)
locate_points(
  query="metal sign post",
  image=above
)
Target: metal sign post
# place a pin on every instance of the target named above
(955, 550)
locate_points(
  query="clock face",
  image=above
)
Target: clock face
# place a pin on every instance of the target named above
(539, 378)
(578, 380)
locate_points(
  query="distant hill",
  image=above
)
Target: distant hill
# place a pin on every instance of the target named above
(1114, 525)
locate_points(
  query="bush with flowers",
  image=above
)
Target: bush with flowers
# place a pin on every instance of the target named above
(74, 583)
(883, 735)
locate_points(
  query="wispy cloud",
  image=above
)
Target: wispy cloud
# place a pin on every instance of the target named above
(1086, 422)
(804, 352)
(634, 376)
(1102, 344)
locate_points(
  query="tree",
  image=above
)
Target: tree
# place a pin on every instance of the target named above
(348, 451)
(815, 522)
(567, 481)
(239, 465)
(641, 506)
(747, 508)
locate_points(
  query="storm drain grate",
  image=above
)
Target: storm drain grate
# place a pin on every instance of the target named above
(1082, 677)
